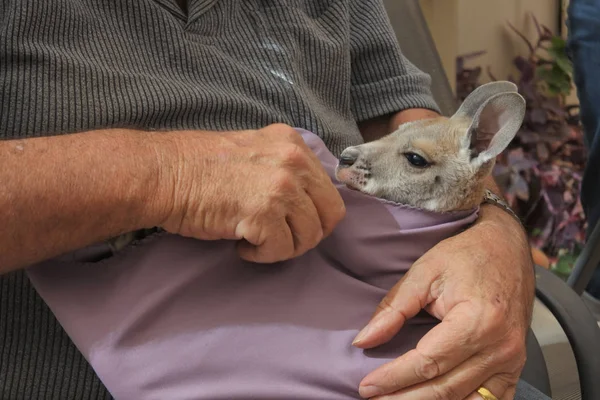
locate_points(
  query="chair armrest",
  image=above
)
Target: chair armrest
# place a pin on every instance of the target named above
(535, 371)
(579, 325)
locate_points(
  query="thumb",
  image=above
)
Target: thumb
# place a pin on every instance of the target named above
(405, 300)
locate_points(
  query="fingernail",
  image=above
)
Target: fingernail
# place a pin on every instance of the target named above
(362, 335)
(375, 324)
(369, 391)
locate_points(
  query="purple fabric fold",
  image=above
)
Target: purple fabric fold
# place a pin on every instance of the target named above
(178, 318)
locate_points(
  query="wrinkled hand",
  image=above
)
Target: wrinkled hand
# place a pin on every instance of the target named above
(480, 284)
(264, 188)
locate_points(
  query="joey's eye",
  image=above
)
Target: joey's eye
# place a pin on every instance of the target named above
(416, 160)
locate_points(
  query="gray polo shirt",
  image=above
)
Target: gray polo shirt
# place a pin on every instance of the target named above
(77, 65)
(72, 66)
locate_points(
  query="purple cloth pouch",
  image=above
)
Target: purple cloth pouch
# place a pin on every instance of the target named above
(177, 318)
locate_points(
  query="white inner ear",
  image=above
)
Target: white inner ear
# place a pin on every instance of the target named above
(475, 99)
(496, 123)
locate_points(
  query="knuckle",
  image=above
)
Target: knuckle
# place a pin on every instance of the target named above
(508, 379)
(280, 127)
(428, 369)
(308, 240)
(498, 310)
(287, 133)
(514, 348)
(386, 305)
(392, 379)
(330, 221)
(520, 362)
(510, 353)
(440, 392)
(339, 211)
(284, 182)
(493, 320)
(294, 155)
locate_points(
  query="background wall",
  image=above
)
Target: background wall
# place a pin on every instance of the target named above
(464, 26)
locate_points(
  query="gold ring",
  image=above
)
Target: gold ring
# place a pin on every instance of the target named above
(486, 394)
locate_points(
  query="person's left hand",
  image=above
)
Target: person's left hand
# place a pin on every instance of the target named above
(480, 284)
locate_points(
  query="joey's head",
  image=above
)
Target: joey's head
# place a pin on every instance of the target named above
(438, 164)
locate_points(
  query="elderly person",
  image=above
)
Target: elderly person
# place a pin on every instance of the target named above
(86, 84)
(584, 49)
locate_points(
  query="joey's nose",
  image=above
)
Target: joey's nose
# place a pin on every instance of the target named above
(349, 157)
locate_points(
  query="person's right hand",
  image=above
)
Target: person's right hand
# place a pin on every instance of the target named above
(264, 188)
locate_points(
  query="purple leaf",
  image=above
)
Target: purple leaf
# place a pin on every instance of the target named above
(579, 155)
(523, 164)
(538, 116)
(521, 187)
(548, 34)
(568, 197)
(542, 151)
(578, 209)
(555, 199)
(528, 136)
(553, 105)
(525, 68)
(548, 228)
(500, 169)
(514, 156)
(527, 90)
(564, 131)
(570, 231)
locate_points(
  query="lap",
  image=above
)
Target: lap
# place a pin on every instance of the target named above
(527, 392)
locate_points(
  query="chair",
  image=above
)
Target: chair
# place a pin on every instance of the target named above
(20, 373)
(559, 298)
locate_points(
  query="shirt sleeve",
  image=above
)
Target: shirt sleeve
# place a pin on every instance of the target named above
(383, 80)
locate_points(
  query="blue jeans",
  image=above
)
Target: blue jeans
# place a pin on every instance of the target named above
(584, 50)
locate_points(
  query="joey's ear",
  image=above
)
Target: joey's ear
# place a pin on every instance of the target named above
(494, 126)
(477, 97)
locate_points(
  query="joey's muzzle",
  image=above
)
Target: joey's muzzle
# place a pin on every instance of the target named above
(351, 169)
(348, 157)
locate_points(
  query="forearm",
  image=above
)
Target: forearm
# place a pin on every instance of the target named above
(62, 193)
(496, 226)
(377, 128)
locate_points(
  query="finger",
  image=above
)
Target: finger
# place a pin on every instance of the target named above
(510, 393)
(319, 186)
(409, 296)
(457, 384)
(497, 386)
(443, 348)
(265, 243)
(327, 201)
(325, 196)
(305, 225)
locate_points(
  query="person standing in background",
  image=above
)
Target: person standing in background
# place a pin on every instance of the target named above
(584, 49)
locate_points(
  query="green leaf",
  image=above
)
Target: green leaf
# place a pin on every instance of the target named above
(557, 81)
(558, 52)
(565, 65)
(564, 265)
(558, 43)
(543, 73)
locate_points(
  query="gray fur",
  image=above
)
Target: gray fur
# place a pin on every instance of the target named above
(460, 150)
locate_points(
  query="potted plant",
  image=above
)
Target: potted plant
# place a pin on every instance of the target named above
(540, 172)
